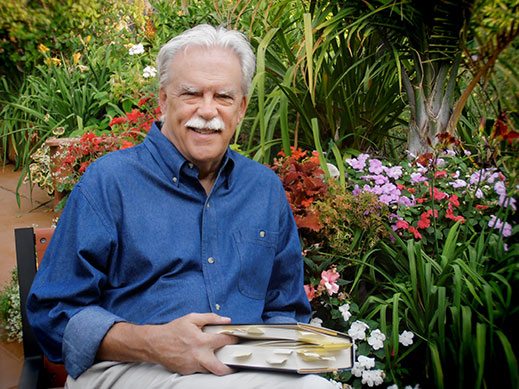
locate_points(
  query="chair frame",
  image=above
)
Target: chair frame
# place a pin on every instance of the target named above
(37, 371)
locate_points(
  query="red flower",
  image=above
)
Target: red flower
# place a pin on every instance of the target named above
(451, 216)
(117, 120)
(315, 157)
(297, 153)
(415, 232)
(306, 203)
(437, 195)
(447, 139)
(134, 115)
(440, 173)
(482, 206)
(143, 101)
(430, 212)
(83, 167)
(126, 145)
(424, 221)
(454, 200)
(424, 159)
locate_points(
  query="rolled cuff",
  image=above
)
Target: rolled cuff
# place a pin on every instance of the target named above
(83, 334)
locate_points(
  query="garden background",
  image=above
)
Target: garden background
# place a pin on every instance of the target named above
(392, 124)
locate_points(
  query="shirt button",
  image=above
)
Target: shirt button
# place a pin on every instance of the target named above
(174, 179)
(190, 165)
(207, 205)
(262, 234)
(210, 260)
(217, 306)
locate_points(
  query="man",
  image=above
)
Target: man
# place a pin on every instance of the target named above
(161, 239)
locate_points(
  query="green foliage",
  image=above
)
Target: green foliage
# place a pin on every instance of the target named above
(56, 23)
(317, 66)
(10, 317)
(352, 225)
(460, 305)
(63, 96)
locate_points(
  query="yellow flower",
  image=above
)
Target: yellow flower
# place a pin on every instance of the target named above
(56, 61)
(43, 48)
(180, 13)
(76, 57)
(88, 39)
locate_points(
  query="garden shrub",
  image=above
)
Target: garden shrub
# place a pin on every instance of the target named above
(56, 23)
(10, 316)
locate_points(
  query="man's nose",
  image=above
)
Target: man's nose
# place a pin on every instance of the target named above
(207, 108)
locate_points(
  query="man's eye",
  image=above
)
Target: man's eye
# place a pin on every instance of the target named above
(224, 97)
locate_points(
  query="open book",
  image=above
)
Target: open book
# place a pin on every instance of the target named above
(300, 348)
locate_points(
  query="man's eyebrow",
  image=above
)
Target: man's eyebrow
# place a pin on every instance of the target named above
(187, 88)
(227, 92)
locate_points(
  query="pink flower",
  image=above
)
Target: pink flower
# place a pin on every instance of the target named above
(310, 292)
(454, 200)
(402, 224)
(415, 232)
(328, 279)
(437, 195)
(375, 166)
(424, 221)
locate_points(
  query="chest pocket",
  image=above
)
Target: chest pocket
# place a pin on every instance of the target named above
(256, 249)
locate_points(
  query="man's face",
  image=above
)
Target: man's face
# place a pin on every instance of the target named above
(204, 85)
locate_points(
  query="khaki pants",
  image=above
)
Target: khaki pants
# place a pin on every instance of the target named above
(119, 375)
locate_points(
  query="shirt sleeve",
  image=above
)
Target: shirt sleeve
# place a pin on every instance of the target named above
(65, 312)
(286, 299)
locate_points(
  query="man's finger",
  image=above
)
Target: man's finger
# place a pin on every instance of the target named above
(201, 319)
(220, 340)
(213, 365)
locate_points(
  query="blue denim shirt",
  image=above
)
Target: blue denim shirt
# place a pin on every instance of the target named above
(140, 241)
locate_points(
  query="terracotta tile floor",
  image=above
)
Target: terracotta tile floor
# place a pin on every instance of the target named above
(35, 211)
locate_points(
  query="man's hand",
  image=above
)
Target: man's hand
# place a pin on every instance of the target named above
(180, 346)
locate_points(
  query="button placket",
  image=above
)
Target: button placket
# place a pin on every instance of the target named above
(209, 250)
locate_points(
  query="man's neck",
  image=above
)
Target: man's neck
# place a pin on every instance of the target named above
(207, 176)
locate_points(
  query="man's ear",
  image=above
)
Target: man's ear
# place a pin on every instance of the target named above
(163, 97)
(243, 107)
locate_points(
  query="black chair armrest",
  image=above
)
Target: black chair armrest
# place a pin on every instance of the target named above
(31, 373)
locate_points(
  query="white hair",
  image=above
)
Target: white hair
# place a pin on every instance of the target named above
(207, 36)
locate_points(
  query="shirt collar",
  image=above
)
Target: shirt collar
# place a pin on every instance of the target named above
(171, 160)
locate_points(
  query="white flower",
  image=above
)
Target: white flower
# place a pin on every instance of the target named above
(336, 384)
(357, 330)
(373, 377)
(332, 169)
(394, 386)
(376, 340)
(357, 369)
(316, 322)
(136, 49)
(149, 71)
(406, 338)
(345, 311)
(366, 362)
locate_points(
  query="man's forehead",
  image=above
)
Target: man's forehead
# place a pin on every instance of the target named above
(191, 52)
(185, 87)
